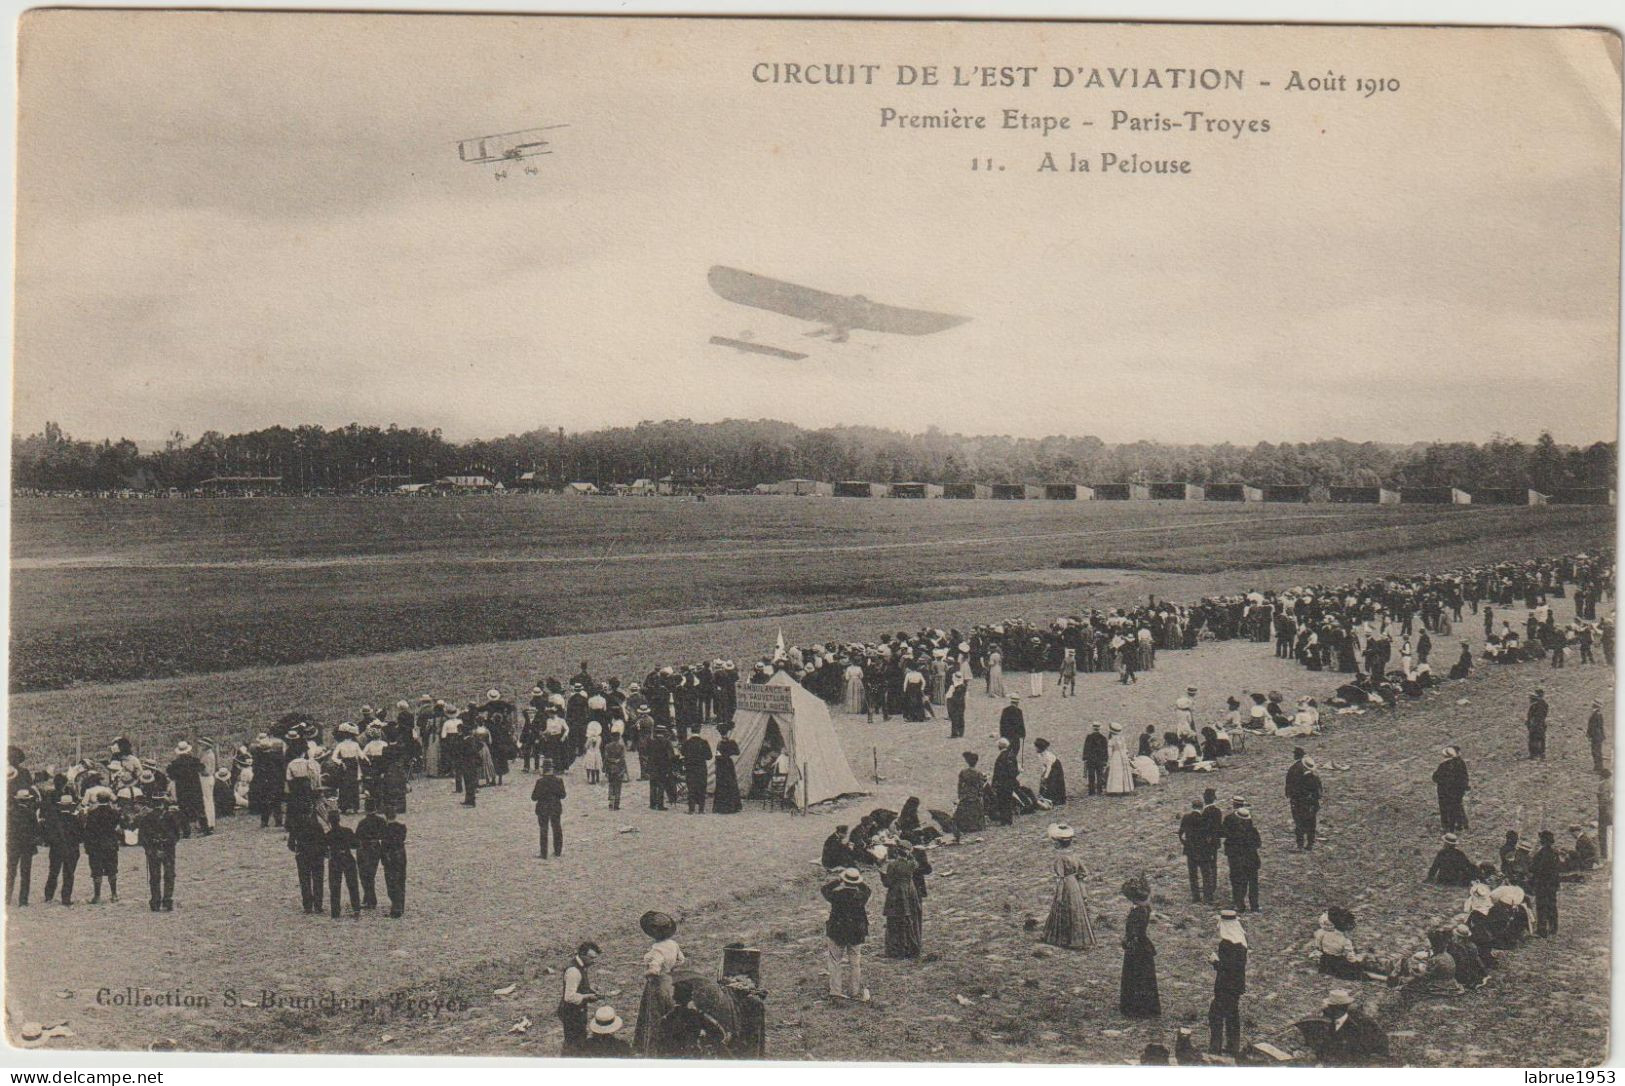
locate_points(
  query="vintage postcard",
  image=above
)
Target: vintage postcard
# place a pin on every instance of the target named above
(813, 539)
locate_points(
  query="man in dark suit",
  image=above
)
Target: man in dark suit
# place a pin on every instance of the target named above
(1190, 840)
(1535, 722)
(1013, 725)
(696, 765)
(548, 796)
(1545, 871)
(1006, 779)
(341, 870)
(1210, 838)
(1094, 760)
(1450, 779)
(846, 931)
(1303, 795)
(1241, 844)
(369, 838)
(1352, 1039)
(1229, 983)
(394, 860)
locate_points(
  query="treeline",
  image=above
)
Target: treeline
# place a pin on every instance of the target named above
(739, 453)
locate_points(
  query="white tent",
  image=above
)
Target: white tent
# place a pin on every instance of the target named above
(783, 709)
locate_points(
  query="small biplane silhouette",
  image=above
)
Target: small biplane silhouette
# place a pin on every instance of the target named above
(836, 314)
(506, 146)
(745, 346)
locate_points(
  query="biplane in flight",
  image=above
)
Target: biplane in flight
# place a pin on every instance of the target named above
(507, 146)
(837, 315)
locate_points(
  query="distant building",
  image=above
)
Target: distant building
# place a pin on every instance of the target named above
(1176, 492)
(465, 482)
(1234, 492)
(1582, 495)
(383, 482)
(916, 490)
(675, 485)
(642, 488)
(1121, 492)
(1434, 495)
(1293, 492)
(1016, 491)
(1067, 492)
(580, 490)
(804, 488)
(967, 490)
(856, 488)
(1363, 495)
(1507, 495)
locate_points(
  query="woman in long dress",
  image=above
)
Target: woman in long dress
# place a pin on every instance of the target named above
(852, 698)
(1051, 777)
(661, 961)
(1068, 924)
(1119, 770)
(995, 674)
(938, 679)
(1138, 995)
(904, 920)
(969, 815)
(913, 695)
(726, 798)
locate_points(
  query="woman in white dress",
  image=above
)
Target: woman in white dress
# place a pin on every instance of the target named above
(592, 760)
(1119, 769)
(852, 699)
(995, 674)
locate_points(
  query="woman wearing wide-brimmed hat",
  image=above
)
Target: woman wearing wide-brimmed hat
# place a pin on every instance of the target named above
(1068, 924)
(661, 961)
(1138, 996)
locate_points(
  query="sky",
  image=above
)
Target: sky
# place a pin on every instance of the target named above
(232, 220)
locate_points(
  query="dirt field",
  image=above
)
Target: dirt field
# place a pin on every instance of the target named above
(111, 591)
(483, 913)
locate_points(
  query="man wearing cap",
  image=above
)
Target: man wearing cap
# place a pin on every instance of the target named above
(186, 770)
(1535, 722)
(1597, 734)
(1241, 845)
(846, 931)
(1353, 1039)
(1229, 963)
(369, 841)
(603, 1040)
(341, 868)
(159, 828)
(1095, 757)
(1013, 725)
(394, 861)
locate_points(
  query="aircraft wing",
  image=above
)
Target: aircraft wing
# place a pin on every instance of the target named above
(821, 307)
(756, 348)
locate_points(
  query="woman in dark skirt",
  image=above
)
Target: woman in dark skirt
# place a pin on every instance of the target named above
(970, 816)
(726, 799)
(1052, 778)
(1139, 997)
(904, 922)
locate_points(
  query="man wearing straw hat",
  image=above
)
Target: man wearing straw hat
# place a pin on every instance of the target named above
(1229, 962)
(603, 1040)
(846, 931)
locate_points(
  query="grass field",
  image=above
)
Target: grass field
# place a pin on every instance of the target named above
(110, 591)
(483, 913)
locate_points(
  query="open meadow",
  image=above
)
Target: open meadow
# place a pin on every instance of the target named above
(108, 590)
(678, 581)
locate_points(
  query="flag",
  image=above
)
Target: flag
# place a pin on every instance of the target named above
(779, 648)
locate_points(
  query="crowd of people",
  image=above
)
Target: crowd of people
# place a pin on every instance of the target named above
(295, 776)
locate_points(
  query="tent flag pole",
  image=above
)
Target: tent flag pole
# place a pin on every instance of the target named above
(875, 751)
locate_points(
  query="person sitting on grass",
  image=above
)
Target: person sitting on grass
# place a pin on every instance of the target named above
(1451, 867)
